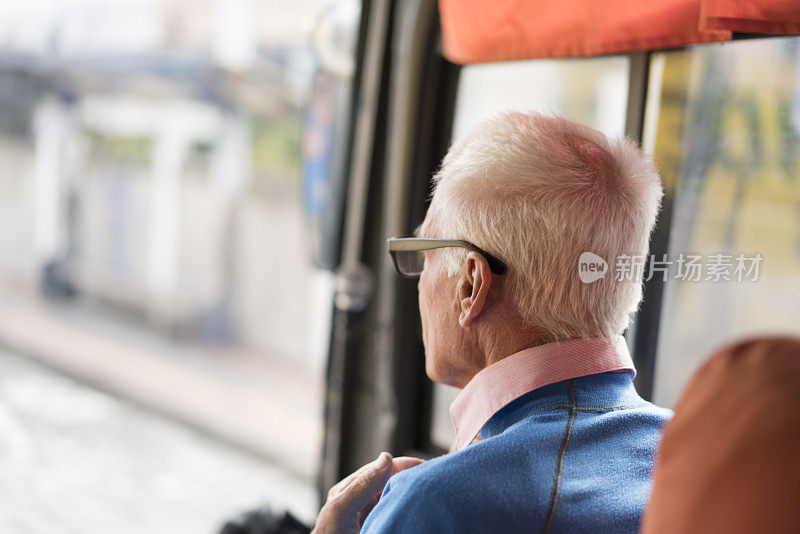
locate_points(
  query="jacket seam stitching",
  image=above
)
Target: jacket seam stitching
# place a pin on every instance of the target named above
(604, 408)
(600, 408)
(561, 459)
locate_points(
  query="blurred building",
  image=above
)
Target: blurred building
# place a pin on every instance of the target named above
(150, 153)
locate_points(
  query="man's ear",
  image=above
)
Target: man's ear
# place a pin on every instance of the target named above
(473, 288)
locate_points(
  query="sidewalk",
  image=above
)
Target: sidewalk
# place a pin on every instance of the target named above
(263, 406)
(78, 460)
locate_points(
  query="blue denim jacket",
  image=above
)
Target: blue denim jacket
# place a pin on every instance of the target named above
(570, 457)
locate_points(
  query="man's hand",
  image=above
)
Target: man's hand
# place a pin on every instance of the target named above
(351, 500)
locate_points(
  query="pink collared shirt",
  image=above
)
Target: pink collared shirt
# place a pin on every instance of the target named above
(502, 382)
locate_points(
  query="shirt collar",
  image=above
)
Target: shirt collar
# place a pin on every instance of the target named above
(502, 382)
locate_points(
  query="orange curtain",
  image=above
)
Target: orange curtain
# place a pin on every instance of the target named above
(476, 31)
(761, 16)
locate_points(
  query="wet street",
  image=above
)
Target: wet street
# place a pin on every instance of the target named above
(75, 460)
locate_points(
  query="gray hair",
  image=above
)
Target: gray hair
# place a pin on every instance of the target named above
(538, 191)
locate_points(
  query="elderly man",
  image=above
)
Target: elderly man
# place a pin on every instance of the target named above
(519, 310)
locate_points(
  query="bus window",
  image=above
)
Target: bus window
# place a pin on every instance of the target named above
(724, 125)
(169, 172)
(591, 91)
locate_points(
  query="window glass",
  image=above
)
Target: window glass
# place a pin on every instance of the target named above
(166, 179)
(590, 91)
(724, 124)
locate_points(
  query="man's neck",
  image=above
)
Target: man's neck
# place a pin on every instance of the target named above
(502, 338)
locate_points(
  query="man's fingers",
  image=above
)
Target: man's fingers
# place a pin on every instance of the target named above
(345, 482)
(398, 464)
(404, 462)
(354, 492)
(339, 486)
(351, 500)
(369, 482)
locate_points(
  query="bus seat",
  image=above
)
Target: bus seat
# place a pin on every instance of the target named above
(729, 460)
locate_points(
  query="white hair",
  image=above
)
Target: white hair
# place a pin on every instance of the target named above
(537, 191)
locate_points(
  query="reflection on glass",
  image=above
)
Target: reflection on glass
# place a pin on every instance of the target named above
(725, 131)
(590, 91)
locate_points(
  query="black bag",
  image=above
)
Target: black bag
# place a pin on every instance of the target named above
(265, 521)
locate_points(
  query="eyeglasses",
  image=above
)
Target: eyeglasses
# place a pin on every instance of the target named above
(409, 259)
